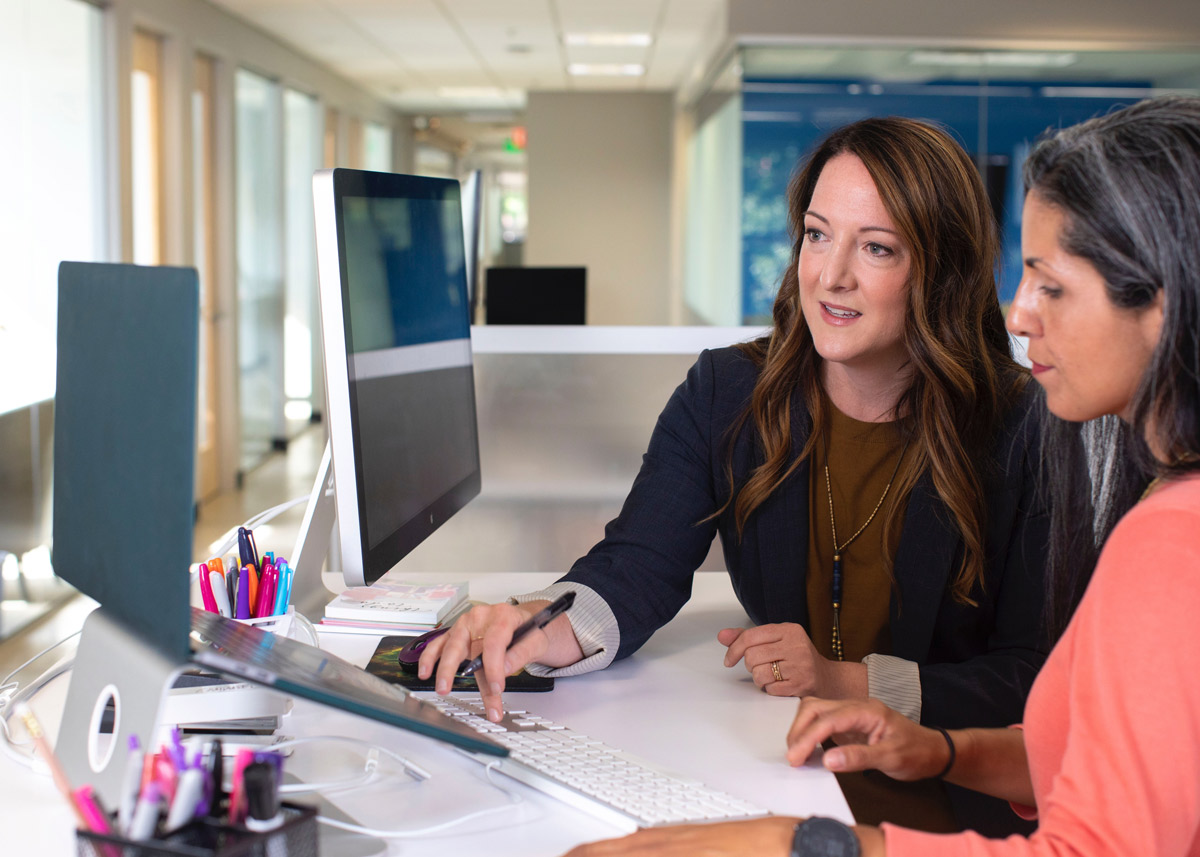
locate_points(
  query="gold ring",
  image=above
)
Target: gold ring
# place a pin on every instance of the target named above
(775, 670)
(476, 639)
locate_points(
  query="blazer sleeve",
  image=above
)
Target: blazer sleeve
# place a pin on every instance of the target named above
(644, 565)
(983, 660)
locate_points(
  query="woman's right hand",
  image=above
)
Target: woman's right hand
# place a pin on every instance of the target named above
(870, 736)
(488, 629)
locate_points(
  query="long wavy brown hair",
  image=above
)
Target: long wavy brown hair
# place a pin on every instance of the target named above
(964, 377)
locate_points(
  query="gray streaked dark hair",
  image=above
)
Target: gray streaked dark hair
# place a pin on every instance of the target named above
(1128, 184)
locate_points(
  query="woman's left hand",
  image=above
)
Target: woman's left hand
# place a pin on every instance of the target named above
(783, 662)
(761, 836)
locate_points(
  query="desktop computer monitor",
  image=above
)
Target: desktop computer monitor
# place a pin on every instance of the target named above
(403, 446)
(124, 457)
(536, 295)
(472, 209)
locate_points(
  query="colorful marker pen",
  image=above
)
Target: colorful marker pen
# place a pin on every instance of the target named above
(93, 813)
(131, 784)
(145, 816)
(243, 593)
(261, 784)
(206, 592)
(220, 595)
(188, 794)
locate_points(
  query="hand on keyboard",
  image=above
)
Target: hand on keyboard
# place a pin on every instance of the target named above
(603, 781)
(488, 629)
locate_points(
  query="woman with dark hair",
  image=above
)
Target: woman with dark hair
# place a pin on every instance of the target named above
(1108, 755)
(868, 465)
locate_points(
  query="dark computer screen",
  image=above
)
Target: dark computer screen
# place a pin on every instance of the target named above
(398, 362)
(536, 295)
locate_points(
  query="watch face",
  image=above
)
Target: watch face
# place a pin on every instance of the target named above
(824, 837)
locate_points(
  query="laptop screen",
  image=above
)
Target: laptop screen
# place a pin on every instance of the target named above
(301, 670)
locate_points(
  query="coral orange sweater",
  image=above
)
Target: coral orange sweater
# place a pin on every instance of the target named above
(1112, 725)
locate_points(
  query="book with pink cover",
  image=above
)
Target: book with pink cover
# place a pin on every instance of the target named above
(398, 602)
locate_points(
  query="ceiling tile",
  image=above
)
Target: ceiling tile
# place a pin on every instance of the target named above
(612, 16)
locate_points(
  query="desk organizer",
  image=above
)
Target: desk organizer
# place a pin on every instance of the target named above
(290, 624)
(296, 837)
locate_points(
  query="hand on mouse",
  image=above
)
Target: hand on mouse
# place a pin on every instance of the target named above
(488, 629)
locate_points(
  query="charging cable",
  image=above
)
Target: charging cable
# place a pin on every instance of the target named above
(513, 799)
(230, 539)
(12, 692)
(370, 768)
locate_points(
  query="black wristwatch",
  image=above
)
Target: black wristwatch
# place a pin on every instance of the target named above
(824, 837)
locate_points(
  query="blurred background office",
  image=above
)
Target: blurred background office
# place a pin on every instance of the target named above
(647, 143)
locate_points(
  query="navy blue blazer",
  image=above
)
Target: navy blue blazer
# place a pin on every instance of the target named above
(976, 663)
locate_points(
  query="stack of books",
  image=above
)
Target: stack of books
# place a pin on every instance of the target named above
(395, 607)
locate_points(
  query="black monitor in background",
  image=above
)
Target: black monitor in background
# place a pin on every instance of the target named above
(399, 382)
(536, 295)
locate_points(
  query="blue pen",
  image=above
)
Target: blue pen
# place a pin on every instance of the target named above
(282, 587)
(243, 594)
(247, 550)
(287, 590)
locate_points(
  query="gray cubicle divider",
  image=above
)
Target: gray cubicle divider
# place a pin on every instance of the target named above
(124, 450)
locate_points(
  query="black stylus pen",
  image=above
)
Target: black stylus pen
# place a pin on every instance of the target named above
(538, 620)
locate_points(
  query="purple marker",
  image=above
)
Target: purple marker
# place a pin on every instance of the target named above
(243, 594)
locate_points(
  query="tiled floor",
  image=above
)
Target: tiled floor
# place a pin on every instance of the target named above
(281, 477)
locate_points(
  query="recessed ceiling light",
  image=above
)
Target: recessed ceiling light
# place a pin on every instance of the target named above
(583, 69)
(1011, 59)
(610, 40)
(469, 92)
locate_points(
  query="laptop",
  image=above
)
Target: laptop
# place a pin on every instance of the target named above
(124, 453)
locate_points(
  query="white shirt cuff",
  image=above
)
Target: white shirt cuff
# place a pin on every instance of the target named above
(594, 625)
(896, 683)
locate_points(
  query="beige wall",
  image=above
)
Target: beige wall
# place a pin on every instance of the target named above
(600, 167)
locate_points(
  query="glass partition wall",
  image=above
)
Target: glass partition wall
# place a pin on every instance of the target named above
(260, 275)
(770, 104)
(51, 59)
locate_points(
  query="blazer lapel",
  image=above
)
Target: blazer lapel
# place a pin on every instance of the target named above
(928, 545)
(783, 549)
(782, 530)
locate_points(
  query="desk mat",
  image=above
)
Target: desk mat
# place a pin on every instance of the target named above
(385, 663)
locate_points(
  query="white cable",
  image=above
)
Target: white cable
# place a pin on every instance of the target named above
(513, 799)
(411, 768)
(12, 692)
(258, 520)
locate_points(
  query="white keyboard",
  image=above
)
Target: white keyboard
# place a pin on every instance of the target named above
(602, 781)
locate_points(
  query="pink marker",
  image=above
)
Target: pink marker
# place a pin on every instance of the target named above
(206, 591)
(93, 814)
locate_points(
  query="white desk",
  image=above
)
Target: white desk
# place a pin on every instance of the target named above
(673, 703)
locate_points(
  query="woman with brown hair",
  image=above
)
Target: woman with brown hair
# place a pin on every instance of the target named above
(1107, 755)
(868, 465)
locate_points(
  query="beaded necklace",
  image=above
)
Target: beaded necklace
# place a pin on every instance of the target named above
(836, 589)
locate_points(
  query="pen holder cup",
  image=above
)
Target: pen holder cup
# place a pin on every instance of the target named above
(290, 624)
(296, 837)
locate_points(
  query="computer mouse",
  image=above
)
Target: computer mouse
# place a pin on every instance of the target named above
(410, 655)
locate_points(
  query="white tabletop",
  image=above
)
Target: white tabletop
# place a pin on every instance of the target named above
(673, 703)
